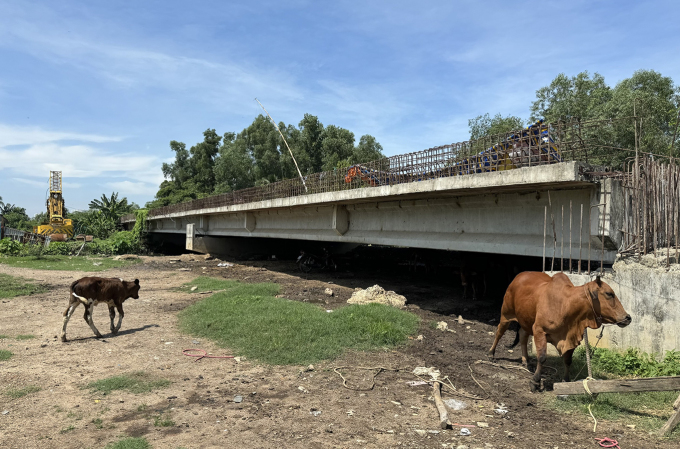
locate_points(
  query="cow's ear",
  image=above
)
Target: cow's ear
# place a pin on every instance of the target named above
(598, 281)
(137, 281)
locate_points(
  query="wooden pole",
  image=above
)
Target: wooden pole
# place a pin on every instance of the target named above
(668, 383)
(444, 422)
(673, 421)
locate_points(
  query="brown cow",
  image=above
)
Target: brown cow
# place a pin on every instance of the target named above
(90, 291)
(554, 311)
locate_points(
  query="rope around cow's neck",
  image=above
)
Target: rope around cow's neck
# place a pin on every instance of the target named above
(598, 319)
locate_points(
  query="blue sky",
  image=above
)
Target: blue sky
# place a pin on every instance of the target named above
(98, 89)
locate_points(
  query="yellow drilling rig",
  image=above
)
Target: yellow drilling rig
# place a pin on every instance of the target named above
(59, 228)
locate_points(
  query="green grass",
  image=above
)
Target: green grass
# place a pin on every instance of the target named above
(67, 429)
(163, 421)
(130, 443)
(5, 355)
(24, 337)
(205, 284)
(3, 336)
(71, 263)
(11, 286)
(248, 319)
(98, 423)
(647, 411)
(21, 392)
(138, 382)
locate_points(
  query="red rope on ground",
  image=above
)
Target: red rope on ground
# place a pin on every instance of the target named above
(607, 442)
(205, 354)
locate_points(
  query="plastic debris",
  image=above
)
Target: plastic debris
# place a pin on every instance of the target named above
(193, 289)
(465, 432)
(415, 383)
(455, 404)
(238, 398)
(5, 412)
(225, 264)
(442, 325)
(315, 412)
(501, 409)
(433, 372)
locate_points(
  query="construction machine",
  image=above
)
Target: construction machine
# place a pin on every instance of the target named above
(59, 228)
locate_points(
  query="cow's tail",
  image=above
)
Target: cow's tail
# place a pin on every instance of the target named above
(74, 295)
(515, 327)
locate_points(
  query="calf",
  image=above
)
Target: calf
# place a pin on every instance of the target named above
(90, 291)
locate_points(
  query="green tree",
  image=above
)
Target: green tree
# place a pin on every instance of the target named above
(367, 150)
(112, 207)
(337, 145)
(485, 125)
(202, 161)
(16, 217)
(655, 100)
(234, 168)
(582, 97)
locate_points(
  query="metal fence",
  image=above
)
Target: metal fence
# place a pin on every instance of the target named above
(24, 236)
(538, 144)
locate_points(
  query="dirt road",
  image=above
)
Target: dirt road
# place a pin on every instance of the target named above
(288, 406)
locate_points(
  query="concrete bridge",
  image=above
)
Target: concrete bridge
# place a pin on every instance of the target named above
(501, 212)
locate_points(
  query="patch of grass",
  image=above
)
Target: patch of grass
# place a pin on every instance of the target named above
(98, 423)
(250, 320)
(205, 284)
(67, 429)
(21, 392)
(138, 382)
(142, 407)
(76, 416)
(647, 411)
(11, 286)
(24, 337)
(130, 443)
(71, 263)
(5, 355)
(161, 421)
(3, 336)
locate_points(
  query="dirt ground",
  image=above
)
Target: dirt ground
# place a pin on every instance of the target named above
(290, 406)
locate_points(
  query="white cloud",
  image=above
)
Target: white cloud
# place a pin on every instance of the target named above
(36, 153)
(133, 188)
(31, 182)
(31, 135)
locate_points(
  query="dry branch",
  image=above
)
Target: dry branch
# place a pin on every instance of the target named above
(444, 422)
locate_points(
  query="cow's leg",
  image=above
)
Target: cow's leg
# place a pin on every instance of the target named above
(67, 316)
(88, 319)
(541, 345)
(112, 315)
(120, 317)
(523, 341)
(566, 357)
(502, 327)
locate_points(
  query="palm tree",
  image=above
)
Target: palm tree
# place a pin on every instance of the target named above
(110, 207)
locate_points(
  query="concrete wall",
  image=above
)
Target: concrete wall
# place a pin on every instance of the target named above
(651, 295)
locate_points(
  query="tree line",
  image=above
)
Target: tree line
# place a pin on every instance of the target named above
(257, 156)
(653, 98)
(100, 220)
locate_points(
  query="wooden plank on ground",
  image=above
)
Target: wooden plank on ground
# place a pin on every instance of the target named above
(673, 421)
(668, 383)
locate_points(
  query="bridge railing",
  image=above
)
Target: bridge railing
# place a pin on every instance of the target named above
(539, 144)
